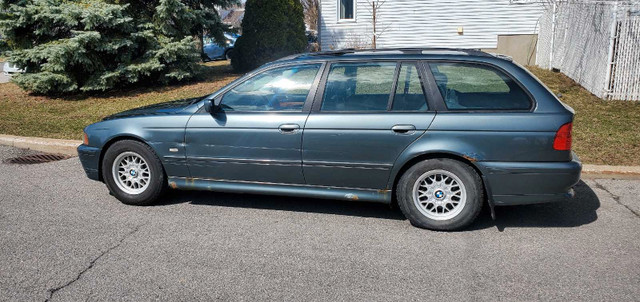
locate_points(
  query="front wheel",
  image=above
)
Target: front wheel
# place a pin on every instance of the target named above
(440, 194)
(133, 173)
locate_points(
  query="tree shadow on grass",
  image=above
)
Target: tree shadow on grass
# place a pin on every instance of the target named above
(578, 211)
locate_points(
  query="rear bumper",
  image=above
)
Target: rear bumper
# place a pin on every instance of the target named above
(90, 159)
(516, 183)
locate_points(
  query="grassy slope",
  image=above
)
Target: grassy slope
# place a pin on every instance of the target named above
(29, 115)
(604, 132)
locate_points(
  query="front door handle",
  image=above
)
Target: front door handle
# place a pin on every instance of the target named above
(403, 129)
(289, 128)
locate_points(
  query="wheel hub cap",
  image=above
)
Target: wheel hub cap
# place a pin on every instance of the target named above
(439, 195)
(131, 173)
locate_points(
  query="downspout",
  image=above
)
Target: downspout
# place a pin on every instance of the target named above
(318, 26)
(553, 34)
(610, 56)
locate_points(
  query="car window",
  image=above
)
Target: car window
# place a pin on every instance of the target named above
(409, 94)
(358, 87)
(467, 86)
(280, 89)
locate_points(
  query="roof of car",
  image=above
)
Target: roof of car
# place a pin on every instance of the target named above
(391, 53)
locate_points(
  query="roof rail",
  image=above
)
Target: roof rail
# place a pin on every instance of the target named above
(416, 50)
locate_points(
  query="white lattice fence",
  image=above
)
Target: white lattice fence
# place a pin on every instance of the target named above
(596, 44)
(625, 79)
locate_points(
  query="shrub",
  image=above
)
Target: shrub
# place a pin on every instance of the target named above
(271, 29)
(89, 45)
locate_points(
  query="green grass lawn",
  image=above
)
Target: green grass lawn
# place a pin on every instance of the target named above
(605, 132)
(29, 115)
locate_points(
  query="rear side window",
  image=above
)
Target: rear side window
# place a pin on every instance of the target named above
(467, 86)
(359, 87)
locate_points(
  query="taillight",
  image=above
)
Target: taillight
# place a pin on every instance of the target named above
(563, 138)
(85, 139)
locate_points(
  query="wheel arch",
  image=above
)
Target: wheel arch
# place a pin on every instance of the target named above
(432, 155)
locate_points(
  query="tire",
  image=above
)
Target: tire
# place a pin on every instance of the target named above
(227, 55)
(452, 194)
(149, 188)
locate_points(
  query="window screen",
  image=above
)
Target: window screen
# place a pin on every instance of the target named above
(467, 86)
(346, 9)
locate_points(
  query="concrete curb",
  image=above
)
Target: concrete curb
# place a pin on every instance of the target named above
(595, 171)
(49, 145)
(65, 146)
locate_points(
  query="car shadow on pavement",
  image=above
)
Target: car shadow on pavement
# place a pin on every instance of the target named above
(284, 203)
(573, 213)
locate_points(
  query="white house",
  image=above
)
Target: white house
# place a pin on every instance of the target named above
(503, 26)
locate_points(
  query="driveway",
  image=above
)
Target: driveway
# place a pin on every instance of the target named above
(3, 78)
(64, 238)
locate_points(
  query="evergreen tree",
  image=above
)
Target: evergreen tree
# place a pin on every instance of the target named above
(89, 45)
(271, 29)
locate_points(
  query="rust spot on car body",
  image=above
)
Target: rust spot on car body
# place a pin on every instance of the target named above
(351, 196)
(173, 185)
(469, 158)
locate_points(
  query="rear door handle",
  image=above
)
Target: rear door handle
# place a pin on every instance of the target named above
(403, 128)
(289, 128)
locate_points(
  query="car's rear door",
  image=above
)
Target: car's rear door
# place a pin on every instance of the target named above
(257, 135)
(364, 115)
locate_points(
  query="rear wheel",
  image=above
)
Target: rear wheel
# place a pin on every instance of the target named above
(440, 194)
(133, 173)
(228, 54)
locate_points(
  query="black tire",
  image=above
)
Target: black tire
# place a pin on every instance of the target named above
(466, 174)
(157, 179)
(227, 55)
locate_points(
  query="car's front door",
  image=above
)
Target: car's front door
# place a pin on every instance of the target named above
(363, 118)
(256, 134)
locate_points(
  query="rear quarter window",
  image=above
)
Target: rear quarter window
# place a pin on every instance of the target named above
(467, 86)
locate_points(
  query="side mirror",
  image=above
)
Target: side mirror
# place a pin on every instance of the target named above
(212, 106)
(208, 105)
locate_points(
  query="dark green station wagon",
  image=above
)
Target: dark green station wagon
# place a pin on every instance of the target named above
(440, 132)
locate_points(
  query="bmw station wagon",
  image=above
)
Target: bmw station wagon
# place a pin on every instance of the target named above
(440, 132)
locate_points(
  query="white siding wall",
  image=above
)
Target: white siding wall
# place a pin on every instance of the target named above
(429, 23)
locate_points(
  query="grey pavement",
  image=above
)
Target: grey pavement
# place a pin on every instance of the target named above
(64, 238)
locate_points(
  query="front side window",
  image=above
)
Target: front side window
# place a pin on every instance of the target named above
(358, 87)
(467, 86)
(346, 9)
(409, 94)
(280, 89)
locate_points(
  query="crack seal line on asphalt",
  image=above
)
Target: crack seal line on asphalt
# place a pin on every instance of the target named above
(52, 291)
(615, 197)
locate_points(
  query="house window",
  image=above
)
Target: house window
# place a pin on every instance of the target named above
(346, 9)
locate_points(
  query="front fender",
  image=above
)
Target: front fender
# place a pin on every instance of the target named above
(164, 134)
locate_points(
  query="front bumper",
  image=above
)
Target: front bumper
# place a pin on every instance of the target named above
(517, 183)
(90, 159)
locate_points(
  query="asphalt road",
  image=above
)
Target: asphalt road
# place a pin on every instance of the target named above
(64, 238)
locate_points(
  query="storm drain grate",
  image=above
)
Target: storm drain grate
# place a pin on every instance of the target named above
(36, 159)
